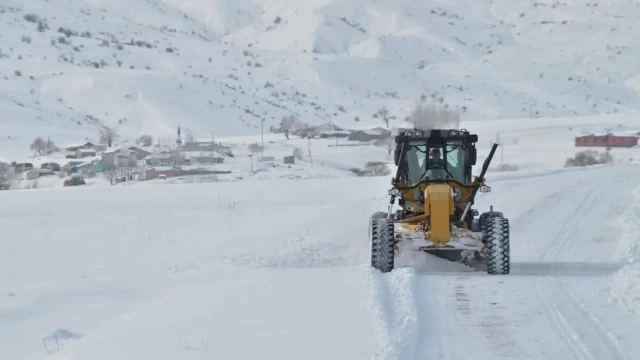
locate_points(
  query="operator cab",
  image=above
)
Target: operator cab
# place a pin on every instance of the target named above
(435, 163)
(435, 155)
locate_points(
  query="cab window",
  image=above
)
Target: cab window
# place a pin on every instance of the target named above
(455, 162)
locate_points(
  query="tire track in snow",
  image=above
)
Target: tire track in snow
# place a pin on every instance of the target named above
(581, 331)
(383, 315)
(405, 326)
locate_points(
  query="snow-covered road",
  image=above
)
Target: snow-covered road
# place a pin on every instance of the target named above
(557, 304)
(279, 269)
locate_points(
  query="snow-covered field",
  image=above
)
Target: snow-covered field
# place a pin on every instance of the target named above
(278, 267)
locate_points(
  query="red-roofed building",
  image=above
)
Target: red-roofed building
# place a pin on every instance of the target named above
(608, 140)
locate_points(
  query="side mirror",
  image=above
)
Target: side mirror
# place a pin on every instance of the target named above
(485, 188)
(396, 156)
(473, 156)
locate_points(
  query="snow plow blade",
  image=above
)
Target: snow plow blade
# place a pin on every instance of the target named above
(465, 247)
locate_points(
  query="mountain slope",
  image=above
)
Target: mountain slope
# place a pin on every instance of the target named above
(222, 66)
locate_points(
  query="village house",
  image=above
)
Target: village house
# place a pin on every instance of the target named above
(119, 157)
(83, 150)
(325, 130)
(50, 166)
(77, 166)
(606, 140)
(140, 153)
(160, 159)
(19, 168)
(368, 135)
(31, 174)
(200, 146)
(203, 157)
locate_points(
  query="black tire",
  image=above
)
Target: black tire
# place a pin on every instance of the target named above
(484, 216)
(497, 247)
(376, 215)
(382, 242)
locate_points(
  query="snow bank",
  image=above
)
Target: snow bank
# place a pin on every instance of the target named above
(625, 286)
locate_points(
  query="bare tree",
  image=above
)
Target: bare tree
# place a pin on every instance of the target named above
(50, 147)
(145, 140)
(39, 146)
(387, 143)
(6, 175)
(430, 116)
(383, 113)
(288, 124)
(110, 171)
(255, 148)
(188, 136)
(107, 135)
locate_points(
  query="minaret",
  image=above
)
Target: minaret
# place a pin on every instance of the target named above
(178, 148)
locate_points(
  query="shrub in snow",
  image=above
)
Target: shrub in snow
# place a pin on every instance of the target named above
(506, 167)
(67, 32)
(31, 18)
(297, 153)
(145, 140)
(255, 148)
(42, 25)
(588, 158)
(373, 169)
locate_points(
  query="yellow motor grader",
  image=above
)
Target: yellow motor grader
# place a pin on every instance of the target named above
(435, 192)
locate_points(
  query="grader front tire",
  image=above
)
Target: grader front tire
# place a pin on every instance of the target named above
(382, 243)
(497, 247)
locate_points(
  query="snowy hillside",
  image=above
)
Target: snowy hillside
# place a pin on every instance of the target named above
(223, 66)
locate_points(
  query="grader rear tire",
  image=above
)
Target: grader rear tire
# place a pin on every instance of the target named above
(382, 243)
(497, 248)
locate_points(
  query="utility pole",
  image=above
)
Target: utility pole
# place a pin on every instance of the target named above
(531, 109)
(336, 141)
(310, 157)
(178, 147)
(262, 135)
(499, 142)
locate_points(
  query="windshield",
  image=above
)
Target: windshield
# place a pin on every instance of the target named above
(420, 166)
(455, 162)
